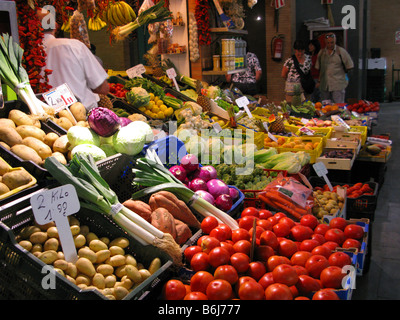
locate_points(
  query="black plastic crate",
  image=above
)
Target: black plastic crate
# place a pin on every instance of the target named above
(21, 272)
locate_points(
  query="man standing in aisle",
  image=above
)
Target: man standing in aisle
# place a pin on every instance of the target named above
(73, 63)
(333, 62)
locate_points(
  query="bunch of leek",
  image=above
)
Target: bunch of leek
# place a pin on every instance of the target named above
(155, 13)
(168, 64)
(95, 194)
(150, 172)
(15, 76)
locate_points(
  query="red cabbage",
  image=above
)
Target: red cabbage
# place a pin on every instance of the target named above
(197, 184)
(190, 162)
(217, 187)
(205, 195)
(124, 121)
(224, 202)
(178, 172)
(103, 121)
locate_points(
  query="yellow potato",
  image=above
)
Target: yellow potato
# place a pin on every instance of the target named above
(82, 279)
(97, 245)
(110, 281)
(79, 240)
(38, 237)
(61, 144)
(52, 232)
(26, 153)
(87, 253)
(72, 270)
(85, 266)
(133, 273)
(65, 113)
(120, 242)
(43, 150)
(102, 255)
(3, 188)
(7, 122)
(61, 264)
(79, 111)
(75, 229)
(144, 273)
(63, 122)
(51, 244)
(27, 245)
(99, 281)
(120, 292)
(16, 178)
(4, 167)
(60, 157)
(114, 250)
(154, 265)
(10, 136)
(31, 131)
(20, 118)
(48, 257)
(50, 138)
(105, 269)
(116, 261)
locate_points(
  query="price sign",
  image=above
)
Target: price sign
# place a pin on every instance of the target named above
(136, 71)
(171, 73)
(322, 171)
(59, 98)
(217, 127)
(56, 205)
(242, 102)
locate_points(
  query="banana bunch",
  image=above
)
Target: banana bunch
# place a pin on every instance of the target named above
(66, 26)
(96, 23)
(118, 13)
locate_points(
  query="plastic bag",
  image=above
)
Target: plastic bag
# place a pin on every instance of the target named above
(79, 29)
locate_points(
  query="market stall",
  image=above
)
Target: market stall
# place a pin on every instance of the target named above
(180, 189)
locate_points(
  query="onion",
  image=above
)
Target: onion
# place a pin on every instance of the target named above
(202, 174)
(205, 195)
(217, 187)
(224, 202)
(211, 170)
(124, 121)
(234, 193)
(179, 172)
(190, 162)
(197, 184)
(103, 121)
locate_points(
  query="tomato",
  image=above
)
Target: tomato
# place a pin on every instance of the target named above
(247, 222)
(226, 272)
(174, 290)
(300, 270)
(200, 281)
(287, 247)
(259, 231)
(315, 264)
(228, 246)
(321, 228)
(339, 259)
(300, 257)
(354, 231)
(262, 253)
(269, 238)
(331, 245)
(209, 243)
(191, 251)
(223, 232)
(218, 256)
(243, 246)
(256, 270)
(322, 250)
(338, 222)
(319, 237)
(208, 224)
(266, 280)
(294, 291)
(276, 260)
(301, 298)
(281, 229)
(196, 295)
(351, 243)
(335, 235)
(308, 245)
(300, 232)
(240, 234)
(309, 220)
(287, 221)
(278, 291)
(199, 261)
(250, 211)
(279, 215)
(241, 281)
(307, 284)
(264, 214)
(219, 289)
(240, 262)
(325, 294)
(264, 223)
(331, 277)
(273, 220)
(251, 290)
(200, 240)
(285, 274)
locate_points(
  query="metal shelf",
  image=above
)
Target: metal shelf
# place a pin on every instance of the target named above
(221, 73)
(226, 30)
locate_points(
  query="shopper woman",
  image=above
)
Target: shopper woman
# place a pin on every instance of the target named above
(289, 71)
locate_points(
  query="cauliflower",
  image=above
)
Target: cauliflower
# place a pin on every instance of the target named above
(138, 97)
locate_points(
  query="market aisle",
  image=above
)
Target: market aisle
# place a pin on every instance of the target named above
(382, 281)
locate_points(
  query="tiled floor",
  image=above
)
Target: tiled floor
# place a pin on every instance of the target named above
(382, 280)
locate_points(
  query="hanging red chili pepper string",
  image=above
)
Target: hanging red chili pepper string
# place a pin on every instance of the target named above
(202, 16)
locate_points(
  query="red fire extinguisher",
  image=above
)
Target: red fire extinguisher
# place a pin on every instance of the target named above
(277, 47)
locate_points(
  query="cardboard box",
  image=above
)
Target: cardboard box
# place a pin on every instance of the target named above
(340, 213)
(337, 163)
(361, 254)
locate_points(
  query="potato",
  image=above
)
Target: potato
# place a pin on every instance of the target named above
(59, 271)
(37, 247)
(48, 257)
(51, 244)
(10, 136)
(120, 292)
(105, 269)
(87, 253)
(110, 281)
(91, 236)
(144, 273)
(52, 232)
(60, 157)
(39, 237)
(43, 150)
(26, 153)
(120, 271)
(5, 145)
(79, 240)
(116, 261)
(75, 229)
(79, 111)
(50, 138)
(99, 281)
(66, 113)
(102, 256)
(85, 266)
(61, 144)
(3, 188)
(7, 122)
(129, 259)
(16, 178)
(114, 250)
(154, 265)
(72, 270)
(27, 231)
(31, 131)
(63, 122)
(120, 242)
(4, 167)
(27, 245)
(133, 273)
(19, 117)
(61, 264)
(82, 124)
(82, 279)
(97, 245)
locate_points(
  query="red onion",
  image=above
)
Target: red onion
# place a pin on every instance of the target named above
(212, 171)
(190, 162)
(224, 202)
(205, 195)
(179, 172)
(217, 187)
(197, 184)
(202, 174)
(234, 193)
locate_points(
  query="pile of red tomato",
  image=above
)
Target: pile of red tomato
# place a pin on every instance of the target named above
(363, 106)
(117, 89)
(291, 260)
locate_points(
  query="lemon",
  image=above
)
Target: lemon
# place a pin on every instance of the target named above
(159, 102)
(148, 112)
(215, 118)
(151, 94)
(155, 109)
(160, 115)
(163, 107)
(169, 112)
(155, 99)
(152, 104)
(153, 115)
(143, 109)
(221, 123)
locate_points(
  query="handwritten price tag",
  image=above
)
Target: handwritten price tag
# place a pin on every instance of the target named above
(322, 171)
(171, 73)
(56, 205)
(136, 71)
(59, 98)
(242, 102)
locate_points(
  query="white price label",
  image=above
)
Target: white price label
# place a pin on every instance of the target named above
(272, 137)
(56, 205)
(242, 102)
(304, 121)
(171, 73)
(217, 127)
(322, 171)
(60, 97)
(136, 71)
(265, 124)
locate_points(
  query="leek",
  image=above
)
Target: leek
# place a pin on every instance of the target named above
(15, 76)
(155, 13)
(95, 194)
(150, 172)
